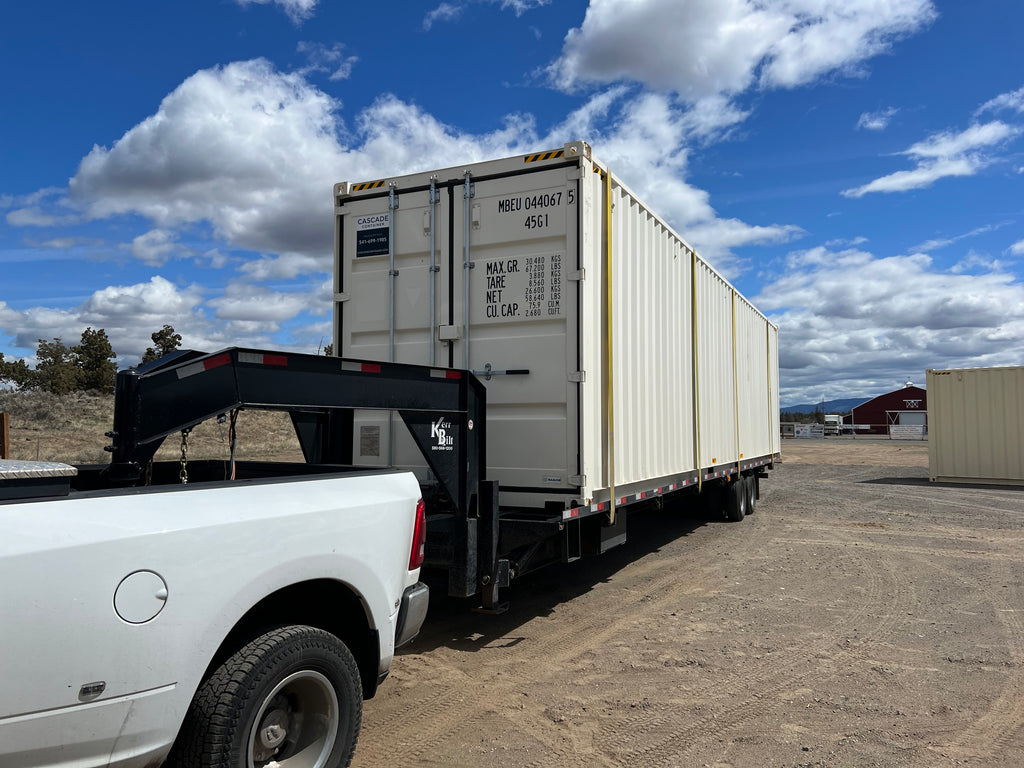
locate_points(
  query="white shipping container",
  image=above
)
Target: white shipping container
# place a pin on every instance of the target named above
(976, 425)
(617, 362)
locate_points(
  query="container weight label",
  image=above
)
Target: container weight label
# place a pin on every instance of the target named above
(525, 288)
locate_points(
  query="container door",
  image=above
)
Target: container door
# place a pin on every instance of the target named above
(385, 250)
(518, 324)
(505, 308)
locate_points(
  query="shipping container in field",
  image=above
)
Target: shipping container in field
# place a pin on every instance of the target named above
(616, 360)
(618, 364)
(976, 425)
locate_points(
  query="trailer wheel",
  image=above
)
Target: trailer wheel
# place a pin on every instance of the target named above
(291, 699)
(751, 483)
(735, 501)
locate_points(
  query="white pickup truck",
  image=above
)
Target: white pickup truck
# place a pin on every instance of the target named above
(238, 619)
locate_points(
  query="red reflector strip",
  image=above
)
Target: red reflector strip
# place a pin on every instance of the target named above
(204, 365)
(453, 374)
(258, 358)
(217, 362)
(370, 368)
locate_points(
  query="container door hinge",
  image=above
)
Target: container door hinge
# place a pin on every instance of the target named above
(577, 274)
(578, 480)
(578, 377)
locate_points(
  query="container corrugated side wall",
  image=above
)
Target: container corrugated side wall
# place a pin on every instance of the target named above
(716, 384)
(651, 345)
(752, 381)
(674, 410)
(976, 425)
(773, 388)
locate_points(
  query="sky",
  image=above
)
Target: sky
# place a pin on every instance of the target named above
(854, 167)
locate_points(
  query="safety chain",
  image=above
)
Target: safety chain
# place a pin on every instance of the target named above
(183, 474)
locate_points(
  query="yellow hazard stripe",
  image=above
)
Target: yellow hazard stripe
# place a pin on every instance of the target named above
(544, 156)
(367, 185)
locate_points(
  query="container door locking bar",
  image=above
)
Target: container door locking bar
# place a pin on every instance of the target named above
(488, 372)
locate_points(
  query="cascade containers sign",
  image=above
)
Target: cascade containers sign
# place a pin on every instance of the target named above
(372, 235)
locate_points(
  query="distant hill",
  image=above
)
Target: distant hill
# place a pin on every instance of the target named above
(831, 406)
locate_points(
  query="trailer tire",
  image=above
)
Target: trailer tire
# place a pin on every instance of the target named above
(295, 689)
(751, 483)
(735, 507)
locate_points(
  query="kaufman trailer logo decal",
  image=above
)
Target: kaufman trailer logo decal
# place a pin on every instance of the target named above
(442, 436)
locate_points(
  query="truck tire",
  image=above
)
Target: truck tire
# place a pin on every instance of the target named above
(751, 483)
(735, 507)
(291, 697)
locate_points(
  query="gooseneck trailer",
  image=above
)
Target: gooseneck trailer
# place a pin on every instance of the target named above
(619, 366)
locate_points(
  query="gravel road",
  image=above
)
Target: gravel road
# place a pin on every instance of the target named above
(861, 617)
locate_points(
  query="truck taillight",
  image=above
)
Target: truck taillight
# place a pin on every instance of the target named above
(419, 537)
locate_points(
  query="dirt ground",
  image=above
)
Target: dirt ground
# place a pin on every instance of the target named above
(861, 617)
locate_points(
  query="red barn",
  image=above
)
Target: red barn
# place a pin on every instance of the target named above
(902, 407)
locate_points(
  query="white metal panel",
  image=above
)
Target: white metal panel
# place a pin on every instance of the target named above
(652, 344)
(773, 388)
(976, 425)
(716, 385)
(753, 387)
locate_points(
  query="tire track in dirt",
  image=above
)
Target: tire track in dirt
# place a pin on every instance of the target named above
(763, 692)
(923, 552)
(992, 734)
(649, 582)
(959, 534)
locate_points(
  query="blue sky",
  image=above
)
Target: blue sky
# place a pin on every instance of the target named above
(855, 167)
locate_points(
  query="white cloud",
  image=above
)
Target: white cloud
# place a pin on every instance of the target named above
(36, 217)
(707, 48)
(877, 121)
(298, 10)
(843, 242)
(332, 60)
(249, 303)
(851, 321)
(449, 11)
(521, 6)
(940, 156)
(250, 149)
(287, 266)
(1014, 100)
(443, 12)
(947, 144)
(931, 245)
(974, 262)
(155, 247)
(838, 35)
(44, 208)
(1017, 249)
